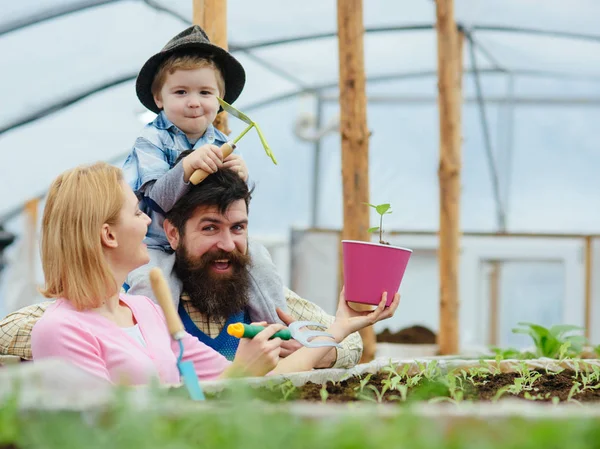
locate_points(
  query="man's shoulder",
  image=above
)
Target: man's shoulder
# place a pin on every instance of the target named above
(29, 313)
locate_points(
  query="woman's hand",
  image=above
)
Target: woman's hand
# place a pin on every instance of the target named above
(349, 320)
(259, 355)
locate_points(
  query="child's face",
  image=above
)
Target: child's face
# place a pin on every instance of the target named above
(189, 99)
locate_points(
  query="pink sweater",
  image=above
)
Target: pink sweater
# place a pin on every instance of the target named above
(99, 346)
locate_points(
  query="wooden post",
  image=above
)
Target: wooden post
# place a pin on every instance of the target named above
(211, 15)
(494, 285)
(588, 285)
(355, 134)
(449, 100)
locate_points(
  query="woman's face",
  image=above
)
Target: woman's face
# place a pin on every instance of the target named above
(130, 231)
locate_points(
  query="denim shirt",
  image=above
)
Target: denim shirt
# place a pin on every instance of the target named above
(149, 170)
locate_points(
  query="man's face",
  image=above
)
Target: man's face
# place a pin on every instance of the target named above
(211, 260)
(210, 231)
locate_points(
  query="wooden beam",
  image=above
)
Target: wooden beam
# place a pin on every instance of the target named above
(588, 286)
(494, 293)
(211, 15)
(355, 134)
(449, 95)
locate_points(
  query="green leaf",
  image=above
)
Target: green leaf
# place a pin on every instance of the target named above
(560, 329)
(383, 208)
(375, 229)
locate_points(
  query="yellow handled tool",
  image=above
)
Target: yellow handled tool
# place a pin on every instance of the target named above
(227, 148)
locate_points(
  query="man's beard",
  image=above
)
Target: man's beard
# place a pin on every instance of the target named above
(216, 295)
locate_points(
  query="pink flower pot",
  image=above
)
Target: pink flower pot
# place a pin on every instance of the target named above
(371, 269)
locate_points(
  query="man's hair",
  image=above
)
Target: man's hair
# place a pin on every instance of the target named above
(79, 202)
(184, 61)
(220, 189)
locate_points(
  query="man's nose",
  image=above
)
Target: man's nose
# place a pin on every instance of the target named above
(226, 242)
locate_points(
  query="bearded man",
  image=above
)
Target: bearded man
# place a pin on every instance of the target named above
(208, 272)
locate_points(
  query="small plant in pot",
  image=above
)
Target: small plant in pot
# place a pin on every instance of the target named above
(373, 268)
(382, 209)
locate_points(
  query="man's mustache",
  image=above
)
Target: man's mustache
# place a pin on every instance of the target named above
(235, 257)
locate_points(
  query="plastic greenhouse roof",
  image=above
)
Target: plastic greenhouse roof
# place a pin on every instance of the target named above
(68, 97)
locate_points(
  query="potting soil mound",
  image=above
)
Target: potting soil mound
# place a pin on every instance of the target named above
(411, 335)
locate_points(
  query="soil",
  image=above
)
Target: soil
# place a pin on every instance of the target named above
(416, 335)
(547, 386)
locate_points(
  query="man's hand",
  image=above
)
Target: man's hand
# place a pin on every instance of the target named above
(236, 163)
(290, 346)
(208, 158)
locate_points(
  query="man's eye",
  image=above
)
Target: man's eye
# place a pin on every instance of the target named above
(208, 228)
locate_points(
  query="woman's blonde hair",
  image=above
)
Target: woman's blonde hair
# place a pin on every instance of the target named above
(79, 202)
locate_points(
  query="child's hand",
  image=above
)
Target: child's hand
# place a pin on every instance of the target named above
(236, 163)
(208, 158)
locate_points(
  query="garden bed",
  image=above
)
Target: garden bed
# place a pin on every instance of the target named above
(436, 380)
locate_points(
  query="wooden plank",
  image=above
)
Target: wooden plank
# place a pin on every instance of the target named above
(588, 285)
(354, 135)
(449, 95)
(211, 15)
(494, 292)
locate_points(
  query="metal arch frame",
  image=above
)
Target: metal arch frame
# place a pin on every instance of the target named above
(303, 88)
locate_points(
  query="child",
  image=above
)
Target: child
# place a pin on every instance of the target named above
(180, 84)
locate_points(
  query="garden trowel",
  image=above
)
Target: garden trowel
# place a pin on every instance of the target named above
(227, 148)
(241, 330)
(177, 331)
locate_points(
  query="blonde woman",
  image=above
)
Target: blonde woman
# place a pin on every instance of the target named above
(92, 237)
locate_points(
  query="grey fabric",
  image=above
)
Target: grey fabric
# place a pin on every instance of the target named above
(266, 287)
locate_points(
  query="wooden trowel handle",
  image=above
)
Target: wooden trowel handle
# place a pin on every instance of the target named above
(200, 175)
(163, 295)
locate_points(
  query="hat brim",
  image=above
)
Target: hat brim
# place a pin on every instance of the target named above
(232, 71)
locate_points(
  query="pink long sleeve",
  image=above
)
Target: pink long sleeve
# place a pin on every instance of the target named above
(70, 342)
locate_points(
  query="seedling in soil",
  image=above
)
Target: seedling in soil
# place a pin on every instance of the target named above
(536, 397)
(382, 209)
(363, 383)
(549, 342)
(379, 395)
(287, 389)
(430, 371)
(455, 386)
(505, 354)
(324, 393)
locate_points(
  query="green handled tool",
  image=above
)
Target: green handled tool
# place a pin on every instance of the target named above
(241, 330)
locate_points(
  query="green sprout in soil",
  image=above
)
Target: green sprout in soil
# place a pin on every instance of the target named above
(382, 209)
(552, 342)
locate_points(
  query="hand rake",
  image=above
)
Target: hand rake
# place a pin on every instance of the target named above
(305, 337)
(227, 148)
